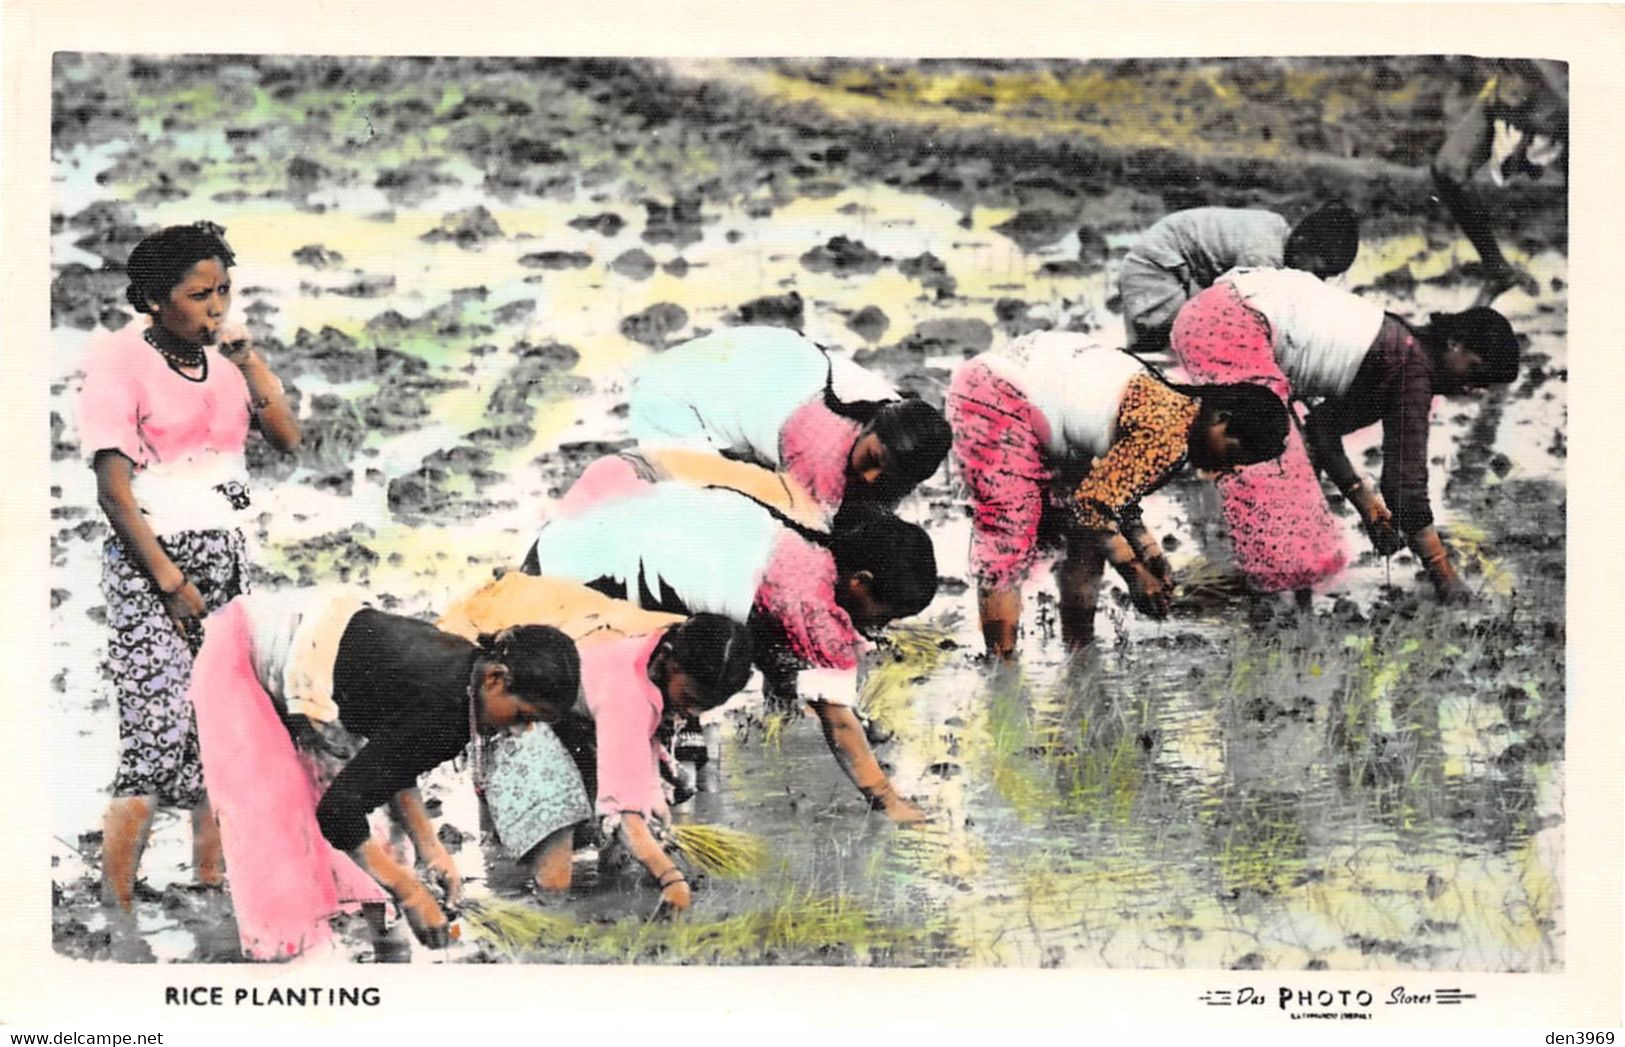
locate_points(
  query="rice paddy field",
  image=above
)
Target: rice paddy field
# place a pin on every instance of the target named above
(453, 264)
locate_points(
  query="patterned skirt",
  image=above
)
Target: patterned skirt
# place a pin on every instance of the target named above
(150, 663)
(1003, 464)
(1284, 535)
(532, 788)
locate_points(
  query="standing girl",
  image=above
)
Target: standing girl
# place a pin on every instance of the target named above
(164, 417)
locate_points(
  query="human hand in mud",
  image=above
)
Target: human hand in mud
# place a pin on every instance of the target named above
(1152, 595)
(676, 896)
(1452, 590)
(427, 919)
(1149, 551)
(444, 879)
(901, 811)
(1377, 520)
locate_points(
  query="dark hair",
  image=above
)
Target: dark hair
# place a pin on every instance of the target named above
(1330, 235)
(1483, 331)
(543, 666)
(898, 556)
(163, 259)
(716, 651)
(916, 438)
(1258, 418)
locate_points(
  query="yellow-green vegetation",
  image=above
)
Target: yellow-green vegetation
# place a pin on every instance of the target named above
(1263, 849)
(720, 850)
(1204, 582)
(911, 653)
(1468, 544)
(794, 925)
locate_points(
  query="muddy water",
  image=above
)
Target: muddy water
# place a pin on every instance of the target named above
(1368, 783)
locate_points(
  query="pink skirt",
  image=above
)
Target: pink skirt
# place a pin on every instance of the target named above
(286, 880)
(998, 441)
(1283, 534)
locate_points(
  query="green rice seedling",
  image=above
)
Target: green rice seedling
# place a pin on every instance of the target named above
(910, 653)
(773, 725)
(720, 850)
(795, 924)
(513, 927)
(1468, 543)
(1204, 584)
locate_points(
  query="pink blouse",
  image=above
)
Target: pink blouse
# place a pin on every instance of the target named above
(134, 403)
(798, 591)
(815, 447)
(626, 708)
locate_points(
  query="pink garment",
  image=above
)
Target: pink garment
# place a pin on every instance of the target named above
(797, 591)
(815, 448)
(132, 402)
(626, 708)
(610, 477)
(286, 880)
(999, 448)
(1284, 536)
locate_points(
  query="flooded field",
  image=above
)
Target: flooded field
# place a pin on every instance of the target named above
(453, 266)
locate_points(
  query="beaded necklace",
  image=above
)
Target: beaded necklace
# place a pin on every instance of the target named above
(193, 357)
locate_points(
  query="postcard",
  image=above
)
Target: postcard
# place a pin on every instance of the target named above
(629, 507)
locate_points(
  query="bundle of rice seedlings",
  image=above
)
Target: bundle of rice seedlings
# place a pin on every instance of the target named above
(914, 651)
(719, 850)
(1204, 582)
(773, 725)
(511, 926)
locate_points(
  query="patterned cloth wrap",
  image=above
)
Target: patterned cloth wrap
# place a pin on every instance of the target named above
(999, 439)
(150, 662)
(533, 787)
(1025, 495)
(1283, 534)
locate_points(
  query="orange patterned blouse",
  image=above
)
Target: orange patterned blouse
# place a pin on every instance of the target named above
(1153, 433)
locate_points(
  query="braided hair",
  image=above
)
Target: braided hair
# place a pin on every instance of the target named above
(715, 651)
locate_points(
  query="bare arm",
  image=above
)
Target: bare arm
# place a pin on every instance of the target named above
(674, 889)
(427, 919)
(408, 808)
(844, 735)
(270, 406)
(113, 476)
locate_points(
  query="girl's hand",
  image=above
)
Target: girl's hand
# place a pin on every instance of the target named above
(443, 875)
(427, 920)
(676, 896)
(235, 344)
(1160, 568)
(186, 609)
(1151, 595)
(1376, 519)
(901, 811)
